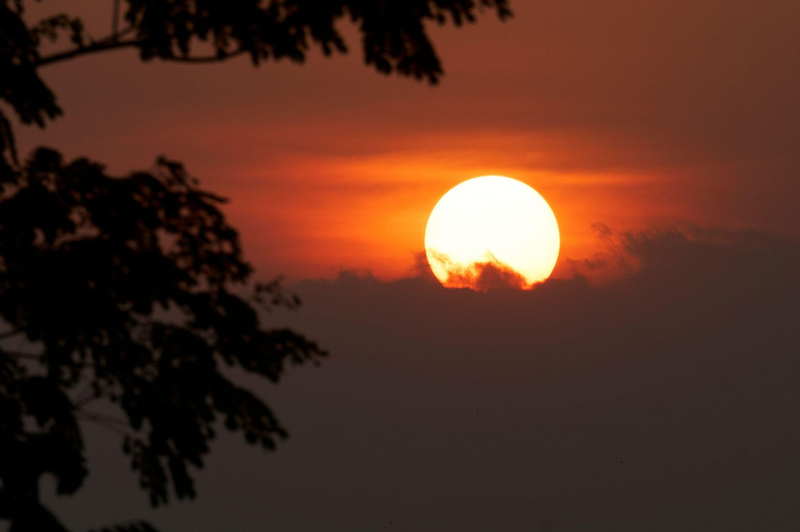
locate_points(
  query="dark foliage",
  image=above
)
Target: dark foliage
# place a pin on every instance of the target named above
(125, 288)
(393, 32)
(20, 84)
(393, 35)
(134, 290)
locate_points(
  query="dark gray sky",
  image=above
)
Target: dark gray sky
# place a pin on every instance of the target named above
(666, 400)
(663, 400)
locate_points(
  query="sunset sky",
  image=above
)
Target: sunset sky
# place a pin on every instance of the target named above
(621, 112)
(650, 385)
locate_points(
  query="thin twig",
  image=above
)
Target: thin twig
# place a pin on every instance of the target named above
(115, 21)
(100, 46)
(105, 417)
(206, 59)
(103, 423)
(89, 397)
(112, 42)
(26, 356)
(9, 334)
(85, 392)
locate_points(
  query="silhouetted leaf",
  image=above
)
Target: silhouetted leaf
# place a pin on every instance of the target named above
(20, 84)
(131, 286)
(135, 288)
(394, 38)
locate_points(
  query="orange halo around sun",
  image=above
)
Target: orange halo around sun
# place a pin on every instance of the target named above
(492, 231)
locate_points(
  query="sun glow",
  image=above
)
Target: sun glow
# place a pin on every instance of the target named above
(492, 231)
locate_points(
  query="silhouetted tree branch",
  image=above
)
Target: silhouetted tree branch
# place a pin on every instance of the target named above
(130, 284)
(135, 287)
(393, 34)
(106, 45)
(24, 356)
(9, 334)
(115, 18)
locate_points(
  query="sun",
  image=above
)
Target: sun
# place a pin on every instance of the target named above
(489, 232)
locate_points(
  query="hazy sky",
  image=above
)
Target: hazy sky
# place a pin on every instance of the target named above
(662, 399)
(666, 401)
(621, 112)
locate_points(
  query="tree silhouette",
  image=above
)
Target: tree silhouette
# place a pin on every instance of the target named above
(133, 289)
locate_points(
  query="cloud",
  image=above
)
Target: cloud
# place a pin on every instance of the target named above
(663, 398)
(491, 274)
(659, 398)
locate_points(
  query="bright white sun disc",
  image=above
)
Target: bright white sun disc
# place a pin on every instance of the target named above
(491, 220)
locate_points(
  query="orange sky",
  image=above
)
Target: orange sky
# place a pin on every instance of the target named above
(664, 401)
(622, 112)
